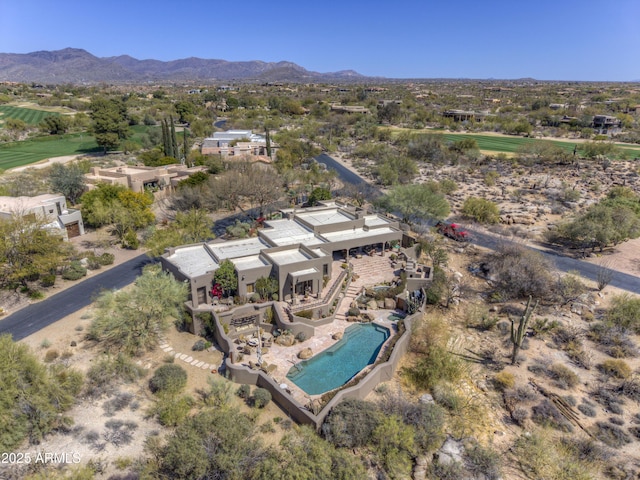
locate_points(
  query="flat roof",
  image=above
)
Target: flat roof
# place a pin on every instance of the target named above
(375, 221)
(356, 233)
(194, 260)
(289, 232)
(306, 271)
(247, 263)
(324, 217)
(238, 248)
(293, 255)
(8, 204)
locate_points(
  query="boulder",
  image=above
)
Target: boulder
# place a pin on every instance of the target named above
(351, 318)
(305, 353)
(427, 399)
(372, 305)
(285, 340)
(368, 317)
(337, 335)
(450, 452)
(389, 304)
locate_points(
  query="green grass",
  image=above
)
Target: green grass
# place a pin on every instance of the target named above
(513, 144)
(16, 154)
(27, 115)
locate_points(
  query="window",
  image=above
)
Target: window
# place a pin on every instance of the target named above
(250, 288)
(325, 270)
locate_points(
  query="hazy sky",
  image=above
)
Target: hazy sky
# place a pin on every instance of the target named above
(543, 39)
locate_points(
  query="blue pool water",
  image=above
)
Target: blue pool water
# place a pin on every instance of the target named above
(336, 365)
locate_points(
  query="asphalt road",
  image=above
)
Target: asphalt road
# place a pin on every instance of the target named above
(36, 316)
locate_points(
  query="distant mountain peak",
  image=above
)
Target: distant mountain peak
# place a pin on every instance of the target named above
(76, 65)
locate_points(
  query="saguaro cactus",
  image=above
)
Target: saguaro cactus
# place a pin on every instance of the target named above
(517, 335)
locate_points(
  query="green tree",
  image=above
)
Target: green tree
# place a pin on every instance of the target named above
(395, 443)
(117, 206)
(33, 398)
(68, 180)
(481, 210)
(417, 202)
(319, 194)
(109, 122)
(266, 286)
(192, 226)
(28, 249)
(226, 276)
(54, 124)
(133, 321)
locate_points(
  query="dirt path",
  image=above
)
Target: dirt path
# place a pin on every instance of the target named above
(46, 163)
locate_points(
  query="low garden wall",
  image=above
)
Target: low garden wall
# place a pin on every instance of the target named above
(380, 373)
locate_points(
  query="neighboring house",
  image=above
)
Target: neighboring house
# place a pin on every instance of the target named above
(606, 124)
(236, 143)
(464, 115)
(336, 107)
(140, 178)
(49, 207)
(297, 250)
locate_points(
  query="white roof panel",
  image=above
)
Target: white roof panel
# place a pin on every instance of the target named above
(193, 260)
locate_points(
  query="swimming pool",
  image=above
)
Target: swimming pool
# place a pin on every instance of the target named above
(336, 365)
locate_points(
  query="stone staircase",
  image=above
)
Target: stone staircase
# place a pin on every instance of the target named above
(352, 292)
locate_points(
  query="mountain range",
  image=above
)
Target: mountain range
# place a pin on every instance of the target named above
(74, 65)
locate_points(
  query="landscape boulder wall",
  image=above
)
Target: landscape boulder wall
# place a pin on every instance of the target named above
(389, 304)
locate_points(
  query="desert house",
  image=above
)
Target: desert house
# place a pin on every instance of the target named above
(50, 208)
(140, 178)
(297, 250)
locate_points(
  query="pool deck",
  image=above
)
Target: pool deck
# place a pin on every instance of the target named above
(371, 271)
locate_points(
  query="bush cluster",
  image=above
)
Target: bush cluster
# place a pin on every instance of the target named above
(74, 271)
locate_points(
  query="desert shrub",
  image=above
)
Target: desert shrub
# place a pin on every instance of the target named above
(301, 336)
(542, 326)
(92, 262)
(119, 432)
(427, 420)
(564, 377)
(616, 421)
(481, 210)
(482, 462)
(48, 280)
(569, 287)
(611, 435)
(168, 378)
(243, 391)
(546, 414)
(254, 298)
(119, 402)
(437, 365)
(445, 395)
(519, 272)
(171, 410)
(608, 399)
(446, 471)
(51, 355)
(74, 271)
(305, 314)
(624, 312)
(503, 381)
(351, 423)
(540, 455)
(630, 388)
(394, 446)
(635, 431)
(518, 395)
(199, 346)
(615, 368)
(587, 410)
(612, 340)
(353, 312)
(107, 371)
(519, 415)
(261, 397)
(106, 258)
(480, 318)
(130, 240)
